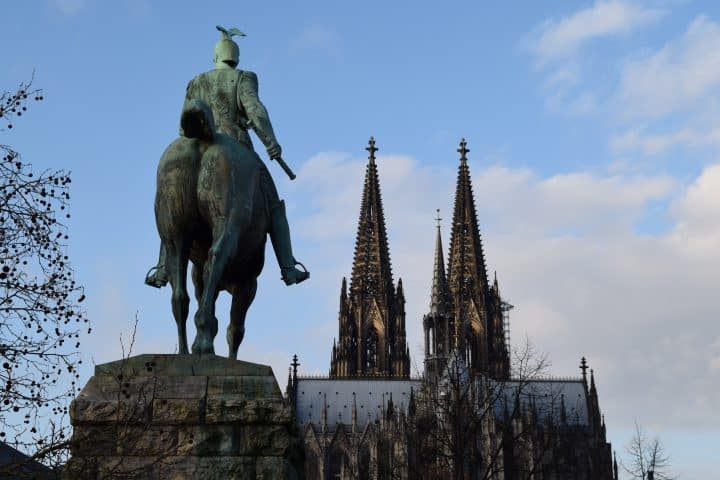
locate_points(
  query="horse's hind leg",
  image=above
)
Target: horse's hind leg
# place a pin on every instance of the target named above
(243, 296)
(225, 238)
(176, 265)
(196, 276)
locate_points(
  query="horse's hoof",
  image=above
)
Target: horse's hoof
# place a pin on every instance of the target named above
(156, 277)
(203, 351)
(203, 348)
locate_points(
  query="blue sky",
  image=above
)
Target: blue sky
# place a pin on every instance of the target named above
(594, 130)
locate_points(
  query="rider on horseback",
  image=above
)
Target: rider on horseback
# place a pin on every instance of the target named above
(233, 97)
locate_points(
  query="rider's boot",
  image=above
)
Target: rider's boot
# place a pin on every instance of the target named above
(157, 276)
(280, 238)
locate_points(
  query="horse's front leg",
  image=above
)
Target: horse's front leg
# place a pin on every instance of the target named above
(243, 296)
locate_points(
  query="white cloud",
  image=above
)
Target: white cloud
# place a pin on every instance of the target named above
(641, 307)
(682, 74)
(563, 77)
(637, 139)
(565, 202)
(556, 39)
(698, 215)
(556, 43)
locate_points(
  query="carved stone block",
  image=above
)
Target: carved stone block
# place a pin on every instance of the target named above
(182, 416)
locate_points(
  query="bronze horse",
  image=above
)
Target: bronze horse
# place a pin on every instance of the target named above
(209, 209)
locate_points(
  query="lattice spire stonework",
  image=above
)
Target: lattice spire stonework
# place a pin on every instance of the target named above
(466, 257)
(372, 270)
(440, 294)
(437, 324)
(372, 316)
(477, 322)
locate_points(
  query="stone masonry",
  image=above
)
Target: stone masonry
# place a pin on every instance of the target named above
(181, 417)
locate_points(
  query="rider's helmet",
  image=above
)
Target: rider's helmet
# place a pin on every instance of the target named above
(227, 51)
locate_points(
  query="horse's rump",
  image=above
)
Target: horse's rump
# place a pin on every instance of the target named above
(176, 197)
(229, 195)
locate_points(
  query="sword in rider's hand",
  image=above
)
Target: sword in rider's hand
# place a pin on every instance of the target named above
(279, 159)
(285, 167)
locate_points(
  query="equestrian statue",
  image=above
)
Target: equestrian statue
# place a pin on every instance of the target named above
(216, 201)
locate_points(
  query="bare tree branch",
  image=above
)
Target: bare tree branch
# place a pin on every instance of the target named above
(645, 456)
(40, 313)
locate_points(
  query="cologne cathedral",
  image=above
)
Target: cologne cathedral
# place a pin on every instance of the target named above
(473, 414)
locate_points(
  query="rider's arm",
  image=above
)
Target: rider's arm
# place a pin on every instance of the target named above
(257, 113)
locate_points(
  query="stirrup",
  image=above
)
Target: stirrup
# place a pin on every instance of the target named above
(291, 275)
(152, 279)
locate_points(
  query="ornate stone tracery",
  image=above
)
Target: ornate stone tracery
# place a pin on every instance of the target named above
(372, 315)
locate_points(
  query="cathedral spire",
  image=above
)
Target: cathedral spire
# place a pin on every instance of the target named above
(466, 258)
(372, 337)
(437, 323)
(474, 322)
(324, 413)
(615, 467)
(371, 272)
(440, 293)
(584, 367)
(343, 293)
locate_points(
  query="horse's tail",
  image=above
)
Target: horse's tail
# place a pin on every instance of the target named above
(197, 120)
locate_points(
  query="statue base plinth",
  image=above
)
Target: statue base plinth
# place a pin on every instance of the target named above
(182, 416)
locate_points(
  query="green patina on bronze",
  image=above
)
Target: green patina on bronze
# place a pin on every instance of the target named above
(216, 201)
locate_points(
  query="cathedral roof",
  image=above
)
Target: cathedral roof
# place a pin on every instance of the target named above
(371, 396)
(549, 397)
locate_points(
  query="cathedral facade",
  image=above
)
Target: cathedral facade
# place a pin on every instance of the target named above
(471, 415)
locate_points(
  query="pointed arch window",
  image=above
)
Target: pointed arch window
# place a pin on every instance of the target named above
(469, 346)
(371, 350)
(431, 341)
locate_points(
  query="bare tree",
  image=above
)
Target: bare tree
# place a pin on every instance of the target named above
(646, 456)
(126, 430)
(40, 315)
(457, 424)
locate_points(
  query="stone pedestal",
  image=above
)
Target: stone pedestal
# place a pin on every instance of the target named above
(182, 417)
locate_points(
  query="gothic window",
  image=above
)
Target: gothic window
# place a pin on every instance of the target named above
(439, 348)
(371, 350)
(338, 463)
(364, 464)
(370, 285)
(431, 346)
(466, 286)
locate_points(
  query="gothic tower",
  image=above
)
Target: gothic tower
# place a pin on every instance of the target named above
(477, 329)
(371, 337)
(438, 324)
